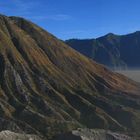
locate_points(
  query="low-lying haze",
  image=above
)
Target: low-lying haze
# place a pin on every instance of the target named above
(133, 74)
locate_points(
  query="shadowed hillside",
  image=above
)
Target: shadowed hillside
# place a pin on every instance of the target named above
(111, 50)
(47, 88)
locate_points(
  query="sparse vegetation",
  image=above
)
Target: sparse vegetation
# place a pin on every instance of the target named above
(47, 88)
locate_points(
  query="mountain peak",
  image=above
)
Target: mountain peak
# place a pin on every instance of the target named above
(48, 88)
(110, 34)
(137, 33)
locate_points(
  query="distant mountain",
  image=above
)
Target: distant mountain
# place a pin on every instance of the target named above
(115, 51)
(48, 88)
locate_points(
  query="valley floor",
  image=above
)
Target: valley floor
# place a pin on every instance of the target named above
(133, 74)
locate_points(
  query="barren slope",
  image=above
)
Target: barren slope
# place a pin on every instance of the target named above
(47, 88)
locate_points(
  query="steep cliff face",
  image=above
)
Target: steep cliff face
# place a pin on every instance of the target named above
(48, 88)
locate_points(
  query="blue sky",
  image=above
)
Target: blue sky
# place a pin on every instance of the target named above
(78, 18)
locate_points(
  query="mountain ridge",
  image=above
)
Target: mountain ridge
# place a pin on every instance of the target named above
(114, 51)
(47, 88)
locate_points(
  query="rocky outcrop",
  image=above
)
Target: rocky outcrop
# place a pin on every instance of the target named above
(8, 135)
(87, 134)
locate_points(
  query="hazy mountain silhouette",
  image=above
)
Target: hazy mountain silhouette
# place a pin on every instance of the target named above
(117, 51)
